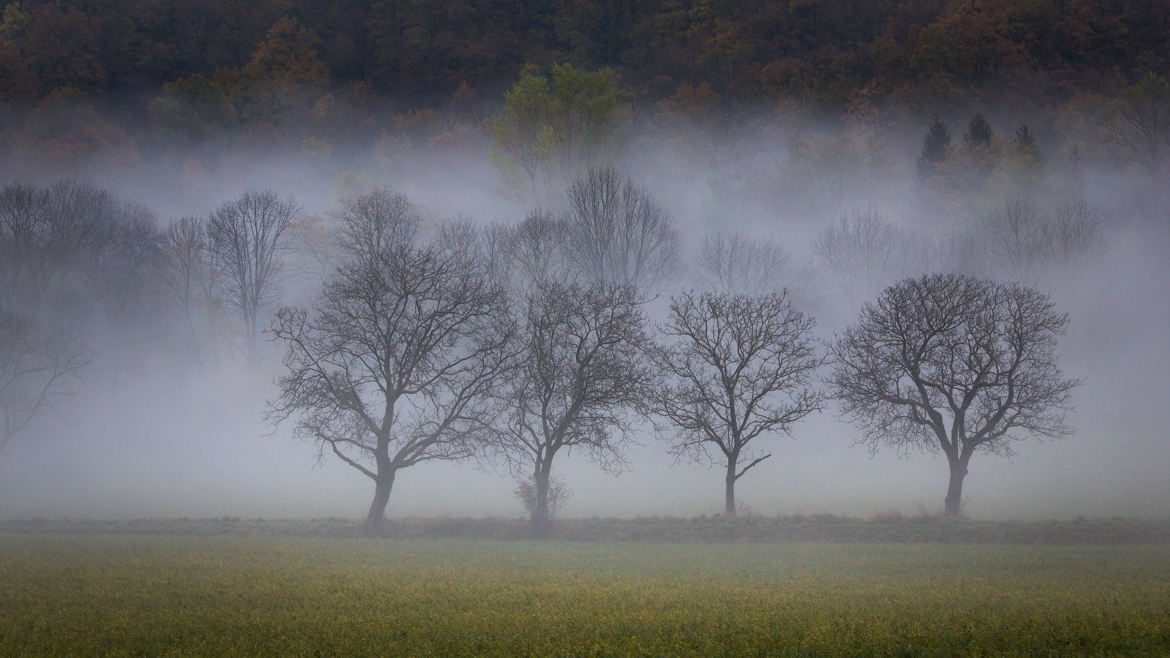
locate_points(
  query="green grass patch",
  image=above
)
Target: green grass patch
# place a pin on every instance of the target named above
(223, 595)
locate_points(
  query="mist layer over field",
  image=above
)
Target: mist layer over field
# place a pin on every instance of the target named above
(163, 429)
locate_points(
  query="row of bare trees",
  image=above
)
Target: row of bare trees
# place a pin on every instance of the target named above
(78, 267)
(505, 345)
(516, 344)
(79, 254)
(231, 258)
(1020, 240)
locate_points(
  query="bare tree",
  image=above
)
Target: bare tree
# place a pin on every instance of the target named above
(1021, 238)
(532, 251)
(616, 233)
(185, 266)
(37, 367)
(737, 265)
(863, 251)
(393, 364)
(953, 363)
(737, 367)
(126, 261)
(54, 240)
(244, 236)
(1015, 238)
(581, 372)
(1074, 235)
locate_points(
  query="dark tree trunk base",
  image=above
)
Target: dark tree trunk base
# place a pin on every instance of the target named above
(375, 523)
(953, 503)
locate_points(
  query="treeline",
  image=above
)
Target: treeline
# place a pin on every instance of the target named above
(827, 54)
(516, 342)
(746, 50)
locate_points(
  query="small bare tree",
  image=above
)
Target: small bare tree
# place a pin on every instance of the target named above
(393, 365)
(953, 363)
(738, 265)
(616, 233)
(532, 251)
(737, 367)
(1074, 235)
(37, 367)
(1015, 237)
(864, 251)
(1020, 238)
(244, 236)
(581, 372)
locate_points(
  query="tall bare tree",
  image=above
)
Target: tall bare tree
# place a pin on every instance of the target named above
(953, 363)
(245, 236)
(37, 368)
(580, 375)
(617, 233)
(736, 367)
(392, 365)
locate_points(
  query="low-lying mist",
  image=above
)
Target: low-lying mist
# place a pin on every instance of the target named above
(168, 418)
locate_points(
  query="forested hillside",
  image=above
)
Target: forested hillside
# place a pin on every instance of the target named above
(200, 67)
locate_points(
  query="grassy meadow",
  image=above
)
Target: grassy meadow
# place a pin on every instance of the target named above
(63, 594)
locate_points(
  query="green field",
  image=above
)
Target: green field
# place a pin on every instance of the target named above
(136, 595)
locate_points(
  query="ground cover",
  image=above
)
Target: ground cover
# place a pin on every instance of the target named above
(69, 594)
(885, 528)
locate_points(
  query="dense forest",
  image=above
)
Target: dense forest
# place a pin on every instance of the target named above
(89, 73)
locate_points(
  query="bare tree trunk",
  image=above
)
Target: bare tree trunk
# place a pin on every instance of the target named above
(540, 517)
(375, 524)
(955, 488)
(729, 492)
(252, 337)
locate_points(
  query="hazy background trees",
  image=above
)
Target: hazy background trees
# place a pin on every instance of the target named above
(953, 363)
(864, 251)
(617, 233)
(735, 264)
(185, 268)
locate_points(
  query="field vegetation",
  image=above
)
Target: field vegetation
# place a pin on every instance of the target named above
(892, 527)
(102, 594)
